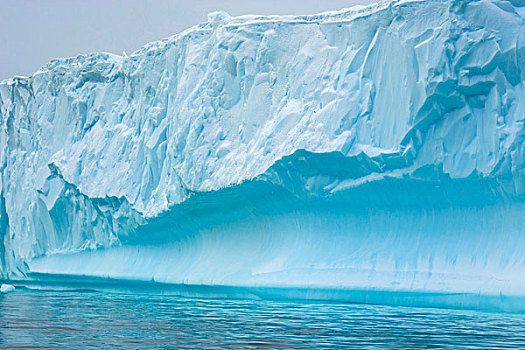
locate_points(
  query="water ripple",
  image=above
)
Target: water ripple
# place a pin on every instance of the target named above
(72, 320)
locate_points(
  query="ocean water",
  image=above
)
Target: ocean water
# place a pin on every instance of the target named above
(51, 319)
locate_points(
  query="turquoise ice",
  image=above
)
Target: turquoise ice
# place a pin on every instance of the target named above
(377, 149)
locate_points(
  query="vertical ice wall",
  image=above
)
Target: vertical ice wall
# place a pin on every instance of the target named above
(343, 109)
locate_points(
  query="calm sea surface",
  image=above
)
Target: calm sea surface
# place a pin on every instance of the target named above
(79, 320)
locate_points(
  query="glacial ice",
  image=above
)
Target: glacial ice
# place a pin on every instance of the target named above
(376, 149)
(7, 288)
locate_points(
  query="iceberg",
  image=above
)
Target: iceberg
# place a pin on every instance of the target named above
(372, 154)
(7, 288)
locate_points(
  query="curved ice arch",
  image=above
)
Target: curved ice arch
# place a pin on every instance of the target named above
(429, 235)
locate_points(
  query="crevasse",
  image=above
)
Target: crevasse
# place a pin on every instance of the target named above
(377, 149)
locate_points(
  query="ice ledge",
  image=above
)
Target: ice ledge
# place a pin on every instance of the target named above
(472, 301)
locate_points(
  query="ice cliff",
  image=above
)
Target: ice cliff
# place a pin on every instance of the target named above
(377, 148)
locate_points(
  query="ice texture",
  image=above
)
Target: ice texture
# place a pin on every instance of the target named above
(7, 288)
(372, 148)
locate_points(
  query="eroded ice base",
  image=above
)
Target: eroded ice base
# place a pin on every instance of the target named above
(421, 243)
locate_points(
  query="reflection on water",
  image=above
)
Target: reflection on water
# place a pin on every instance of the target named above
(49, 319)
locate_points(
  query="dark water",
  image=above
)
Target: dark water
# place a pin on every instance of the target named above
(77, 320)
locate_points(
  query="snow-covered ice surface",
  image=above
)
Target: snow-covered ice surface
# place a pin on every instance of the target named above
(377, 148)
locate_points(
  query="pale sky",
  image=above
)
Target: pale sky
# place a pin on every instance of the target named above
(34, 31)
